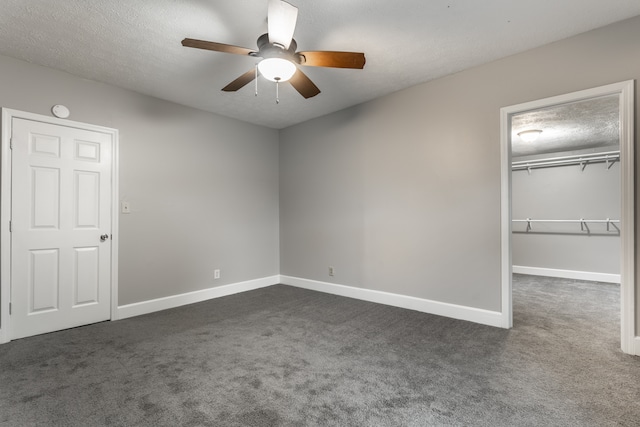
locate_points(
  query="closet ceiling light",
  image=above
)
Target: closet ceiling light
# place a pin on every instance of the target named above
(529, 135)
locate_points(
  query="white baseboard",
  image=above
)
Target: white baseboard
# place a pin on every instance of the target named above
(568, 274)
(636, 346)
(485, 317)
(145, 307)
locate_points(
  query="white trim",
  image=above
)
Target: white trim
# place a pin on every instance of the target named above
(151, 306)
(627, 218)
(635, 349)
(5, 215)
(505, 220)
(5, 207)
(628, 341)
(485, 317)
(568, 274)
(115, 221)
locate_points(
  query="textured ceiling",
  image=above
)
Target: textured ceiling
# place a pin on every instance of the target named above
(135, 44)
(589, 124)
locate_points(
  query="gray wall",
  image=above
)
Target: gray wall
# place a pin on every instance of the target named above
(203, 188)
(402, 194)
(567, 192)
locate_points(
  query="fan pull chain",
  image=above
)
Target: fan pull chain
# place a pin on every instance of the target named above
(278, 91)
(256, 79)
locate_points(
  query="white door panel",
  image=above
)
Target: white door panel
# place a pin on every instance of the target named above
(61, 205)
(43, 285)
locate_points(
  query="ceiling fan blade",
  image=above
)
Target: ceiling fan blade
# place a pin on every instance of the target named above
(304, 85)
(332, 59)
(241, 81)
(217, 47)
(281, 22)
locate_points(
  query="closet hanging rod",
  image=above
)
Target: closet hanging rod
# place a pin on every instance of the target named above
(583, 222)
(568, 220)
(584, 159)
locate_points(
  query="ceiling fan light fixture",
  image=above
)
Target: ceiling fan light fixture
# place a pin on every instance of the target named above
(277, 69)
(529, 135)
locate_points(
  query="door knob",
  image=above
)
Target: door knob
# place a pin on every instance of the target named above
(104, 237)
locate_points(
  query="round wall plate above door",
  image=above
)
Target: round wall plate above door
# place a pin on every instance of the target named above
(60, 111)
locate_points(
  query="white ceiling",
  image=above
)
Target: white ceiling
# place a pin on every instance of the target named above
(135, 44)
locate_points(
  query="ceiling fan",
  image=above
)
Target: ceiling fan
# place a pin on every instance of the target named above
(278, 49)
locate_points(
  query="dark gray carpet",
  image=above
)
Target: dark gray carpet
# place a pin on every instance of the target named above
(283, 356)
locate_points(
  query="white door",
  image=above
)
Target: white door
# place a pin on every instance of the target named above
(60, 227)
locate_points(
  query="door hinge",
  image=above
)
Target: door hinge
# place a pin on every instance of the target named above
(10, 230)
(10, 143)
(9, 308)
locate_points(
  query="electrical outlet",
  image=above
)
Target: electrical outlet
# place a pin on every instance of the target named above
(216, 274)
(331, 271)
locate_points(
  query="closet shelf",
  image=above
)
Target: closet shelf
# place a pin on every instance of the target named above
(583, 222)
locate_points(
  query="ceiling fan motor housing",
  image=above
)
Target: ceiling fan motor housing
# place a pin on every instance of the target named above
(267, 49)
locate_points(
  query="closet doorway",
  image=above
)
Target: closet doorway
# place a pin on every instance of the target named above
(567, 193)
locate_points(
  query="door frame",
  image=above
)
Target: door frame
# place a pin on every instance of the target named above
(629, 343)
(5, 208)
